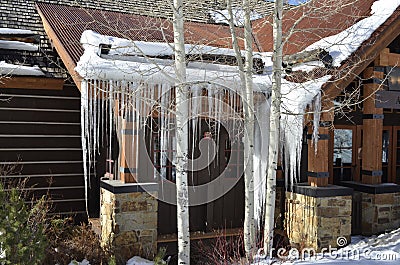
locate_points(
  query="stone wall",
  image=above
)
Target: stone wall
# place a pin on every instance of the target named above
(317, 222)
(129, 223)
(380, 212)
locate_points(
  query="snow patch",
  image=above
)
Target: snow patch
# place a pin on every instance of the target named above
(12, 69)
(18, 45)
(15, 31)
(139, 261)
(83, 262)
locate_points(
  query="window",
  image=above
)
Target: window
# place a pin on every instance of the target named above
(386, 154)
(342, 155)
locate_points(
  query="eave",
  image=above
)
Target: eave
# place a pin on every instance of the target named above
(364, 56)
(62, 52)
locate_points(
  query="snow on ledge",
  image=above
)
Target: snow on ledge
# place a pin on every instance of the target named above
(12, 69)
(120, 46)
(15, 31)
(18, 45)
(124, 63)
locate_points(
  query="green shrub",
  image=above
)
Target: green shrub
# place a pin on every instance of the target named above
(22, 229)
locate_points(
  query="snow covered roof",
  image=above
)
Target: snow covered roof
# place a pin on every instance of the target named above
(131, 65)
(17, 39)
(15, 47)
(356, 27)
(314, 21)
(343, 44)
(122, 25)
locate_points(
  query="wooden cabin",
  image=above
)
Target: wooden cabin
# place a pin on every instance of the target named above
(348, 181)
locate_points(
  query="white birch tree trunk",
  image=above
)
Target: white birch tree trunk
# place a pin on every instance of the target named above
(274, 128)
(182, 115)
(248, 111)
(245, 72)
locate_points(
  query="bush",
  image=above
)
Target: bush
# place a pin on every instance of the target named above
(22, 229)
(222, 250)
(68, 241)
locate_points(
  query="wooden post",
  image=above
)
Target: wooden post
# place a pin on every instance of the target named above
(372, 130)
(318, 157)
(128, 154)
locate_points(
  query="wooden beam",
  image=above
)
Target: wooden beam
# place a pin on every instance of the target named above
(28, 39)
(128, 154)
(318, 156)
(62, 52)
(201, 235)
(32, 82)
(372, 132)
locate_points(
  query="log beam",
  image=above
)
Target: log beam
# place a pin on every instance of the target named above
(372, 130)
(318, 156)
(128, 161)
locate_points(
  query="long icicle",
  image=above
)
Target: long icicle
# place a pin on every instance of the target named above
(84, 87)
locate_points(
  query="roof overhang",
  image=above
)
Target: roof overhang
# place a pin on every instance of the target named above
(365, 55)
(62, 52)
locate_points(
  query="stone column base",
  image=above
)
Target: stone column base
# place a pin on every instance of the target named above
(128, 218)
(317, 216)
(380, 206)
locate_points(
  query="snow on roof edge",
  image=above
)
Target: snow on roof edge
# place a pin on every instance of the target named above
(342, 45)
(120, 46)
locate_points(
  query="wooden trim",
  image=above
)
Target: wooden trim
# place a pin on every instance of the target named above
(366, 56)
(357, 176)
(201, 235)
(330, 155)
(394, 152)
(390, 152)
(32, 82)
(62, 52)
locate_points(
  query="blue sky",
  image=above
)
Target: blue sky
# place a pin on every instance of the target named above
(293, 2)
(296, 2)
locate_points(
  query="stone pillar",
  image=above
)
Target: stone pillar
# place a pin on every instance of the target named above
(378, 210)
(128, 218)
(372, 130)
(317, 216)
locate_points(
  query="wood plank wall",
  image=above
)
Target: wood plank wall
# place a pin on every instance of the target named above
(40, 135)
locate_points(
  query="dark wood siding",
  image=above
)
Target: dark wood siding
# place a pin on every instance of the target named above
(223, 213)
(40, 136)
